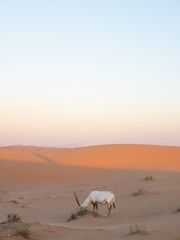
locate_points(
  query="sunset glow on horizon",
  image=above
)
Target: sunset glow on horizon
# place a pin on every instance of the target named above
(98, 72)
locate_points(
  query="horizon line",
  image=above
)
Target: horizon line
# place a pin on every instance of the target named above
(72, 146)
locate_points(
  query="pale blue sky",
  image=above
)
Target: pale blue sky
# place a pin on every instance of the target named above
(92, 72)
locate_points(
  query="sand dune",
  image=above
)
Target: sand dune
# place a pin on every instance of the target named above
(38, 183)
(107, 156)
(120, 156)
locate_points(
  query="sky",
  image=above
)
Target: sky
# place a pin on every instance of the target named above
(89, 72)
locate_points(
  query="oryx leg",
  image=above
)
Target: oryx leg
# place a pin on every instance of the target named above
(95, 206)
(109, 208)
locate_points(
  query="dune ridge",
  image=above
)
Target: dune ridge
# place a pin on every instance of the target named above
(120, 156)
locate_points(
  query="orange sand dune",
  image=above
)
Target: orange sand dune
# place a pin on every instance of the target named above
(106, 156)
(13, 172)
(38, 184)
(19, 154)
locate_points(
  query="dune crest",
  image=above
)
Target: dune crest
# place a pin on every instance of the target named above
(120, 156)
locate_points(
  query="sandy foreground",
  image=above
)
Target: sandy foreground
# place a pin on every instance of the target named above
(38, 183)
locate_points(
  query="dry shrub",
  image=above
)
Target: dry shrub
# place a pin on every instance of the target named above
(137, 229)
(140, 191)
(23, 230)
(81, 212)
(12, 218)
(149, 178)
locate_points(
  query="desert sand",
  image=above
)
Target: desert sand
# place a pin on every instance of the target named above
(37, 184)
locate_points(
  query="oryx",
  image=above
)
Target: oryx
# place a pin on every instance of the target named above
(101, 197)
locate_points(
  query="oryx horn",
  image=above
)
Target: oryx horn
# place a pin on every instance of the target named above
(76, 199)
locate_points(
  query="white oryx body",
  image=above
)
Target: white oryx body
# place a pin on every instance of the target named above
(101, 197)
